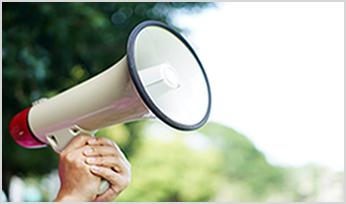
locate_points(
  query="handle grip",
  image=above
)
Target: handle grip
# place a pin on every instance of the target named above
(104, 185)
(58, 140)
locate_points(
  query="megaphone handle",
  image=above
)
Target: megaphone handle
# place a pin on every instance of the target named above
(104, 185)
(59, 139)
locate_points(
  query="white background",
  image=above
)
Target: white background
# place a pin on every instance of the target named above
(277, 75)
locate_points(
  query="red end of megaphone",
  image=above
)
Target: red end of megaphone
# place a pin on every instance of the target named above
(21, 133)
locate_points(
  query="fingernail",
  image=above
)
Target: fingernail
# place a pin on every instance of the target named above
(92, 141)
(90, 160)
(88, 151)
(110, 142)
(94, 168)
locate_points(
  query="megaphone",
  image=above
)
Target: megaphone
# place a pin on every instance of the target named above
(160, 77)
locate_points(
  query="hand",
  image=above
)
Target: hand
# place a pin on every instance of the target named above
(108, 162)
(77, 182)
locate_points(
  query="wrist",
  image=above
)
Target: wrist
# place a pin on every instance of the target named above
(64, 197)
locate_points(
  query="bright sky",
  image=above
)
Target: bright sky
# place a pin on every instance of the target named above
(277, 75)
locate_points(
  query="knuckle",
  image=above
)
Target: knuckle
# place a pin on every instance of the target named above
(125, 180)
(125, 183)
(94, 150)
(69, 157)
(105, 172)
(115, 190)
(102, 139)
(63, 155)
(129, 172)
(114, 152)
(79, 164)
(83, 136)
(128, 181)
(99, 160)
(97, 151)
(102, 171)
(128, 164)
(106, 140)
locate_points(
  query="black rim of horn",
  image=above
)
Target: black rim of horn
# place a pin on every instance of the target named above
(140, 88)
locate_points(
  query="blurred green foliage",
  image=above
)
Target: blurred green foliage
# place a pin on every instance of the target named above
(49, 47)
(168, 166)
(251, 168)
(171, 171)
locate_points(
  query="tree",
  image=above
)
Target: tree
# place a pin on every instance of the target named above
(246, 167)
(169, 170)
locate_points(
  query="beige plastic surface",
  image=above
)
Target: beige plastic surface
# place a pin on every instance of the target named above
(106, 99)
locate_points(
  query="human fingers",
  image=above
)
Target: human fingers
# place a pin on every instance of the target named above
(97, 150)
(107, 142)
(100, 141)
(114, 178)
(117, 164)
